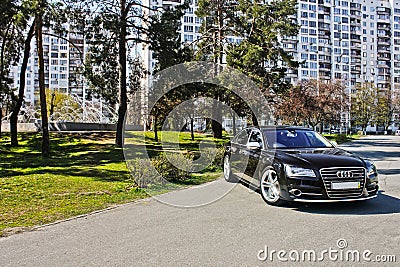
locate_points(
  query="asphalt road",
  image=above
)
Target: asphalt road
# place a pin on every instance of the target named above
(235, 230)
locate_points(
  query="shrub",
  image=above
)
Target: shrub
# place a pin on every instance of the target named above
(174, 166)
(143, 172)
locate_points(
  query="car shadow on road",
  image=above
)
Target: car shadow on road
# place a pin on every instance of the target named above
(383, 204)
(378, 156)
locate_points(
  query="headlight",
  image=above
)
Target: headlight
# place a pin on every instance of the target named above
(293, 171)
(371, 169)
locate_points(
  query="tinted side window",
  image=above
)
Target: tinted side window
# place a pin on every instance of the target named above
(242, 137)
(256, 137)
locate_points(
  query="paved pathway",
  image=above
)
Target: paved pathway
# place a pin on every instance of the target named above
(233, 231)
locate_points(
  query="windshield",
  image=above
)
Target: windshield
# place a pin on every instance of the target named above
(291, 138)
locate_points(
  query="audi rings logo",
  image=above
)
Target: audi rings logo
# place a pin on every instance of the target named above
(344, 174)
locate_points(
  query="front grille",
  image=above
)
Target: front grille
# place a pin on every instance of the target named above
(330, 176)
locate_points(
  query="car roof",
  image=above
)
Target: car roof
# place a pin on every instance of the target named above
(283, 127)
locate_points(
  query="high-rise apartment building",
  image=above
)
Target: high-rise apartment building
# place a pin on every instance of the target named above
(62, 59)
(355, 41)
(190, 26)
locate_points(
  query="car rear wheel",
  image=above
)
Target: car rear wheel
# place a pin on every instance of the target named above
(228, 175)
(270, 188)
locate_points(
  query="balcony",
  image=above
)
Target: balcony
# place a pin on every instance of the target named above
(356, 55)
(384, 65)
(324, 59)
(384, 56)
(383, 18)
(324, 26)
(384, 34)
(324, 49)
(355, 69)
(292, 73)
(355, 14)
(324, 74)
(290, 49)
(383, 11)
(290, 39)
(355, 61)
(384, 41)
(325, 69)
(324, 9)
(355, 45)
(355, 6)
(383, 26)
(383, 48)
(355, 38)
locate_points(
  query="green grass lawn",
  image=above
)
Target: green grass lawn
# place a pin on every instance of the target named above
(342, 138)
(84, 173)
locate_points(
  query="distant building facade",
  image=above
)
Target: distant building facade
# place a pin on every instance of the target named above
(62, 59)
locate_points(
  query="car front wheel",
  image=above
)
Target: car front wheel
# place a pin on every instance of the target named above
(270, 188)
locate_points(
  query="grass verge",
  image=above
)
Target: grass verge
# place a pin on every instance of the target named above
(84, 173)
(342, 138)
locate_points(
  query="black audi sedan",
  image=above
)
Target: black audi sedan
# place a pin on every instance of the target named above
(297, 164)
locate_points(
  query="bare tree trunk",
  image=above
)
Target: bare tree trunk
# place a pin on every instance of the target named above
(119, 139)
(155, 129)
(53, 96)
(43, 104)
(216, 123)
(234, 123)
(1, 117)
(191, 128)
(216, 119)
(20, 99)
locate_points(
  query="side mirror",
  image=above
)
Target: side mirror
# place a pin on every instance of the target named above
(254, 145)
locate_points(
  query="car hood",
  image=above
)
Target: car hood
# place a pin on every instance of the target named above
(320, 158)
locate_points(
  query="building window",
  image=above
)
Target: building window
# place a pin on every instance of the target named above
(188, 28)
(188, 19)
(188, 38)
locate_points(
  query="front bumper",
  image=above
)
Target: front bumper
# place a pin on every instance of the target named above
(333, 200)
(313, 190)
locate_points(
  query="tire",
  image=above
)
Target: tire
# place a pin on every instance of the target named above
(228, 175)
(270, 189)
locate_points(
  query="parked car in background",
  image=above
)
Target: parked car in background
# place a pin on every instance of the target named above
(298, 164)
